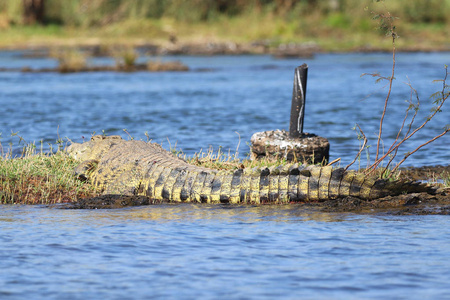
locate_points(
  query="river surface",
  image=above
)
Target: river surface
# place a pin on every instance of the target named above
(222, 252)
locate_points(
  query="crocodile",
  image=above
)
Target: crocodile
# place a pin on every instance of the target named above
(137, 168)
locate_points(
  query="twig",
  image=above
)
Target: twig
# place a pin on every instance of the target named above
(415, 150)
(416, 110)
(334, 161)
(360, 150)
(239, 143)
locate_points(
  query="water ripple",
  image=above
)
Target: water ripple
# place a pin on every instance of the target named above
(218, 251)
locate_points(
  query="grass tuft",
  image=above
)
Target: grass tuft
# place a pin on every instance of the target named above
(41, 178)
(226, 160)
(69, 60)
(126, 58)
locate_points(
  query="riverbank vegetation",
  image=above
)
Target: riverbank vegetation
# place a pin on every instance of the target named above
(36, 177)
(333, 25)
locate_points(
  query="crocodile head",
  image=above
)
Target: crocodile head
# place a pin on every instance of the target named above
(90, 153)
(93, 149)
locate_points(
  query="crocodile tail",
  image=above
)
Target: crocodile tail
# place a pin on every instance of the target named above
(384, 187)
(349, 183)
(281, 184)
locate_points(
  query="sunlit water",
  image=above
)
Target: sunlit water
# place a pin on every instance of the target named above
(238, 96)
(221, 252)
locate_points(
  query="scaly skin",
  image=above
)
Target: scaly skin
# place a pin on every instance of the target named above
(127, 168)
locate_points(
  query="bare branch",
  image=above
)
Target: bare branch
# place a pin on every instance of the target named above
(371, 168)
(387, 23)
(330, 163)
(360, 150)
(415, 150)
(408, 135)
(391, 79)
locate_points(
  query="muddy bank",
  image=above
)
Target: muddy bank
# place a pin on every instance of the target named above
(410, 204)
(407, 204)
(292, 50)
(425, 173)
(174, 66)
(283, 51)
(266, 47)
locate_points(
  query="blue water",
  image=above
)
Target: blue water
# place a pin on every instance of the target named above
(221, 252)
(223, 107)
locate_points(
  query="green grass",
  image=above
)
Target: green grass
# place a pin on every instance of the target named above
(39, 178)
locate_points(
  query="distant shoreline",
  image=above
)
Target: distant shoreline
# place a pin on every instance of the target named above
(207, 27)
(289, 50)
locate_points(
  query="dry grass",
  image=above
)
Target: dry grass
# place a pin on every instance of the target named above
(220, 160)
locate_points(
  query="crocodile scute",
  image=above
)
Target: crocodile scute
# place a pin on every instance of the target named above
(120, 167)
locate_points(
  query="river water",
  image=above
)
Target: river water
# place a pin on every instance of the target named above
(222, 252)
